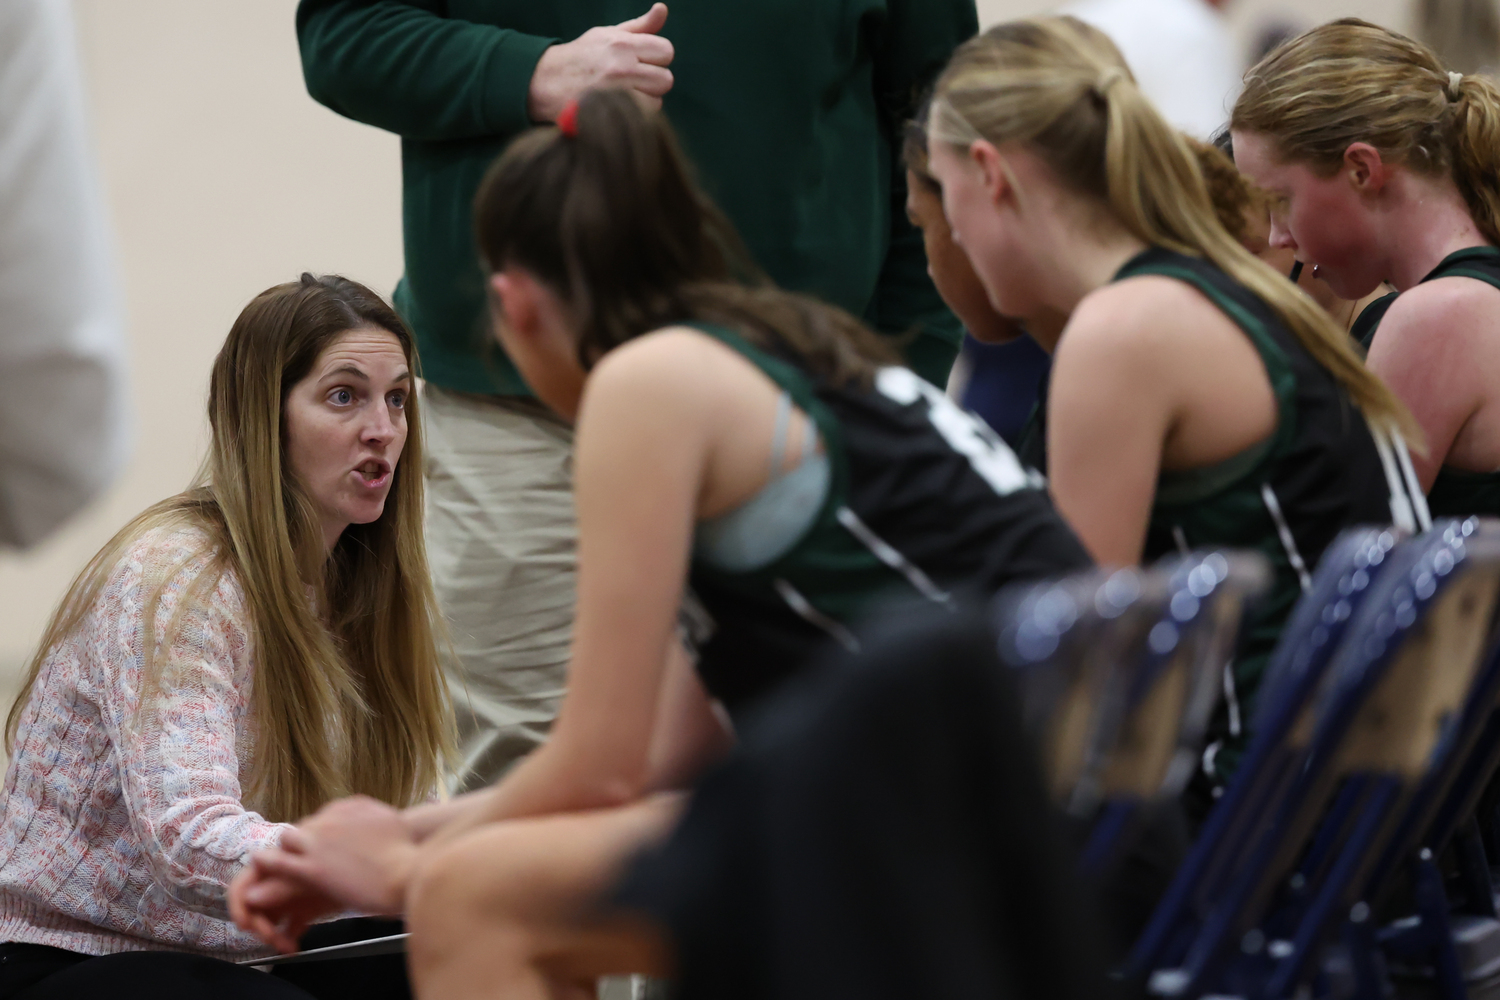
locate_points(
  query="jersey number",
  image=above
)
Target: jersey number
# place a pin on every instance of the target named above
(964, 432)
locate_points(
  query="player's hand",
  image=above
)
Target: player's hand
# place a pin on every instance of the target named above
(284, 909)
(353, 854)
(631, 55)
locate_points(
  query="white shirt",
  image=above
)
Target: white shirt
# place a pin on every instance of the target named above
(63, 430)
(1181, 52)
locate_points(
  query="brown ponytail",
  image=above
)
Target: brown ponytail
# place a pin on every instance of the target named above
(1351, 81)
(1049, 83)
(608, 216)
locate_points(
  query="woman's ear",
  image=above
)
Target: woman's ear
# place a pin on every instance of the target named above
(984, 155)
(516, 293)
(1366, 169)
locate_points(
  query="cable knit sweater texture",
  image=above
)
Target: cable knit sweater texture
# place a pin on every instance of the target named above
(120, 837)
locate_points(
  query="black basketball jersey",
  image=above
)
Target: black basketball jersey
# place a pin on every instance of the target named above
(1455, 492)
(1287, 497)
(924, 498)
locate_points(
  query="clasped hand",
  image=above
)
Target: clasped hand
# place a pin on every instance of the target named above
(355, 854)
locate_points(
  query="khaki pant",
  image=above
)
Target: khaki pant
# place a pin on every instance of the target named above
(502, 542)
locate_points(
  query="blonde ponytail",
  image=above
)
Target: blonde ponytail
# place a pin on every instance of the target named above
(1060, 88)
(1476, 151)
(1351, 81)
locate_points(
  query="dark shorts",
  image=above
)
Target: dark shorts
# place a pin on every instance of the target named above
(37, 972)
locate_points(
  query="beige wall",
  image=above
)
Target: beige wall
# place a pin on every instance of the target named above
(225, 178)
(1245, 15)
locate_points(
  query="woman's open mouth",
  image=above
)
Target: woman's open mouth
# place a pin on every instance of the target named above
(374, 473)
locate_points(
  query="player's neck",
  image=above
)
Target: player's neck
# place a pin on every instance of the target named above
(1428, 221)
(1087, 262)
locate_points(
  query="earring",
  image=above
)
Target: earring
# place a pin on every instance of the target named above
(1316, 269)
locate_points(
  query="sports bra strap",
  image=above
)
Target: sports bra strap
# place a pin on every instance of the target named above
(779, 436)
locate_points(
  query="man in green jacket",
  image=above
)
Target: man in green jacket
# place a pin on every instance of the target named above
(791, 111)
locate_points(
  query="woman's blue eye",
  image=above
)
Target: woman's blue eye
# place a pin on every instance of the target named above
(398, 400)
(343, 396)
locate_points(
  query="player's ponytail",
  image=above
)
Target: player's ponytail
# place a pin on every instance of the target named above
(1061, 89)
(1476, 150)
(604, 210)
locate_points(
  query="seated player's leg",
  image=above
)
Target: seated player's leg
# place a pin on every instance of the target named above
(516, 910)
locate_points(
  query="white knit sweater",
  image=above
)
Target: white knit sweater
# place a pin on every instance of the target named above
(117, 837)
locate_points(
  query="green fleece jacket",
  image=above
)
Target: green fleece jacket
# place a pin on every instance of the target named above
(789, 108)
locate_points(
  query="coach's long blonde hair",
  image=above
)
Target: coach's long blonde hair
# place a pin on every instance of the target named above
(1351, 81)
(348, 694)
(1049, 85)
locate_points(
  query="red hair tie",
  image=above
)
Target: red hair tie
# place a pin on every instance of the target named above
(567, 120)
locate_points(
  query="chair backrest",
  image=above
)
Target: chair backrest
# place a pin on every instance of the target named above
(1172, 689)
(1390, 724)
(1157, 711)
(1120, 672)
(1406, 684)
(1313, 633)
(1465, 760)
(1065, 638)
(1388, 700)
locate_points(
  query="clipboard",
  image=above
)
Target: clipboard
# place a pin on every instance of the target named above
(394, 944)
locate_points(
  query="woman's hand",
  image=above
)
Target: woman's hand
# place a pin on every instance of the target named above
(353, 854)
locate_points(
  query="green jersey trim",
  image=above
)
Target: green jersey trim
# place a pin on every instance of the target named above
(1178, 487)
(1186, 487)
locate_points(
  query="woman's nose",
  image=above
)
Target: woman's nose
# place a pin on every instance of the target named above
(1281, 236)
(379, 428)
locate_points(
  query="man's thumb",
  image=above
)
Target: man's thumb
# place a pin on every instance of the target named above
(648, 23)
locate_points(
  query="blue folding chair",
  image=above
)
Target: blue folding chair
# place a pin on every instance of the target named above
(1238, 821)
(1424, 666)
(1154, 727)
(1120, 673)
(1432, 944)
(1064, 638)
(1387, 706)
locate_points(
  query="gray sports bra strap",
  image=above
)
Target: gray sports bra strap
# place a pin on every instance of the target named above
(778, 438)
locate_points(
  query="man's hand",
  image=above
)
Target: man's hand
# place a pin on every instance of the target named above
(354, 854)
(630, 55)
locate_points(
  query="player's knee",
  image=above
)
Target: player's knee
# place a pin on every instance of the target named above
(450, 887)
(451, 906)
